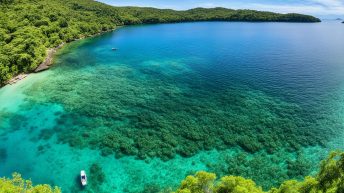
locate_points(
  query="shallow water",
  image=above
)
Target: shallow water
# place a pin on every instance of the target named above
(261, 100)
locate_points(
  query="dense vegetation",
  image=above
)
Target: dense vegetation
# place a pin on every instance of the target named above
(29, 27)
(17, 184)
(330, 179)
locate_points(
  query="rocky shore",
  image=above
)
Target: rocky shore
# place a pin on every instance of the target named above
(52, 51)
(49, 59)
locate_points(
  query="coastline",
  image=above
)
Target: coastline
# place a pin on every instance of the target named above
(48, 61)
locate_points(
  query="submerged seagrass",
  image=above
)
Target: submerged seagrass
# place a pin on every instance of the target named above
(194, 97)
(162, 107)
(146, 113)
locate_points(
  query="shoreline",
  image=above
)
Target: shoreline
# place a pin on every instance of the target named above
(48, 62)
(49, 59)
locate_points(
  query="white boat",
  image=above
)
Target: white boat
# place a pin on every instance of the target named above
(83, 177)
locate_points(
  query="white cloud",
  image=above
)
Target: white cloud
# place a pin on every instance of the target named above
(329, 3)
(306, 9)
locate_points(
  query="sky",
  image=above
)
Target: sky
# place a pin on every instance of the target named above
(322, 8)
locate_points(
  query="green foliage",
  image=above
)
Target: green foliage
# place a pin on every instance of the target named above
(331, 175)
(204, 182)
(6, 1)
(201, 182)
(17, 185)
(237, 185)
(330, 179)
(27, 29)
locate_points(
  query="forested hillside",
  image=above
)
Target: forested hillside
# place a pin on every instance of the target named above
(29, 27)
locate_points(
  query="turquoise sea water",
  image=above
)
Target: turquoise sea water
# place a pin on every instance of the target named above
(261, 100)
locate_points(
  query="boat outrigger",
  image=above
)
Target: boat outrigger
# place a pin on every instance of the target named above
(83, 177)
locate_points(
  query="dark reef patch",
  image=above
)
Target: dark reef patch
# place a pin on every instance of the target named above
(151, 188)
(11, 122)
(97, 175)
(46, 134)
(3, 154)
(42, 148)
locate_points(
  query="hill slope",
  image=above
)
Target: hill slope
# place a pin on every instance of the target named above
(29, 27)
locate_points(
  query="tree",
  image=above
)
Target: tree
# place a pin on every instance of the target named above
(6, 1)
(331, 175)
(202, 182)
(237, 184)
(17, 185)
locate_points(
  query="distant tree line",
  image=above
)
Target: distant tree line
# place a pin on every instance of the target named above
(29, 27)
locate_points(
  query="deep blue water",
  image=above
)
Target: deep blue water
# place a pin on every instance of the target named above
(279, 58)
(261, 100)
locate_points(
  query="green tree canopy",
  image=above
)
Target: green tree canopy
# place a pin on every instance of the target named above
(17, 184)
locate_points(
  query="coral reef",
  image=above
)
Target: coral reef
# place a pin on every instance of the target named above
(3, 154)
(157, 116)
(97, 175)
